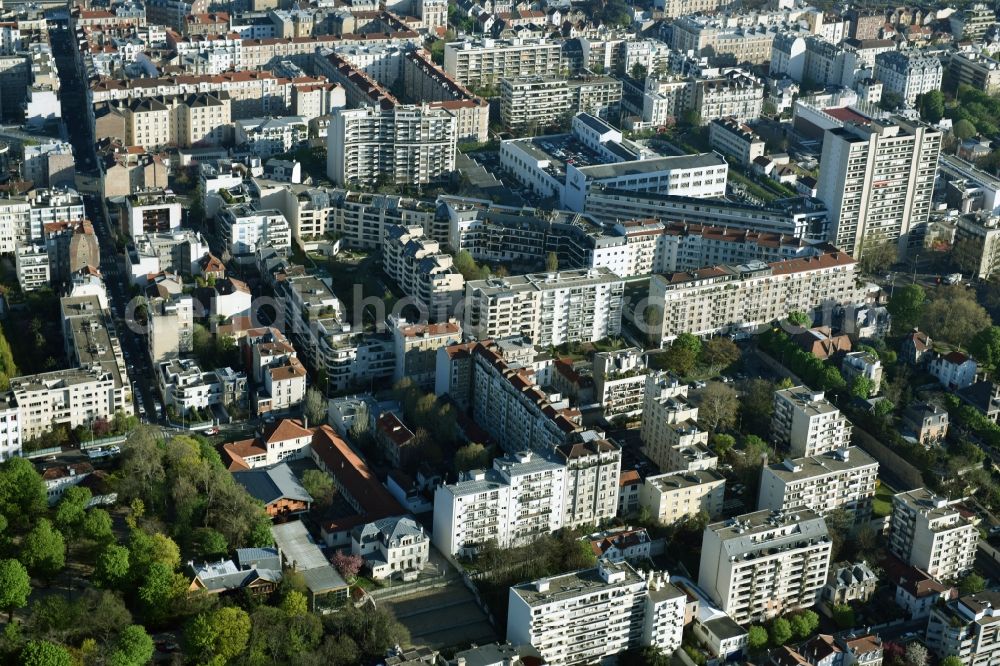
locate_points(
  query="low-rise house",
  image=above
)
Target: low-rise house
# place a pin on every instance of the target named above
(224, 577)
(915, 591)
(847, 582)
(822, 343)
(954, 370)
(926, 422)
(985, 396)
(915, 347)
(390, 546)
(629, 488)
(863, 364)
(277, 488)
(286, 439)
(301, 554)
(59, 478)
(848, 649)
(396, 441)
(622, 544)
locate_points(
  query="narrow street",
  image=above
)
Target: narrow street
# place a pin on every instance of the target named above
(74, 103)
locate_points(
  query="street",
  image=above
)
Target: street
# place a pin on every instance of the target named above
(133, 343)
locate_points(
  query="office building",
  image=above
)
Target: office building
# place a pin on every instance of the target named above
(404, 145)
(806, 423)
(933, 533)
(676, 496)
(587, 616)
(843, 479)
(725, 298)
(549, 308)
(764, 564)
(877, 181)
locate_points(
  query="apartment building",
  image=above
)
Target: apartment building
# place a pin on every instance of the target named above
(590, 484)
(975, 69)
(620, 381)
(193, 120)
(416, 346)
(513, 409)
(718, 299)
(735, 95)
(731, 137)
(50, 205)
(981, 234)
(675, 496)
(843, 479)
(405, 144)
(481, 63)
(177, 251)
(908, 73)
(705, 36)
(591, 615)
(10, 427)
(533, 101)
(599, 96)
(933, 533)
(972, 22)
(185, 387)
(244, 228)
(151, 212)
(877, 182)
(549, 308)
(670, 434)
(171, 326)
(31, 261)
(277, 374)
(761, 565)
(423, 271)
(807, 424)
(267, 137)
(74, 397)
(967, 629)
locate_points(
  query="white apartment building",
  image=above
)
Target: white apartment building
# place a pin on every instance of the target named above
(51, 205)
(246, 228)
(31, 261)
(267, 137)
(877, 182)
(549, 308)
(15, 224)
(843, 479)
(807, 424)
(967, 629)
(404, 145)
(724, 298)
(185, 387)
(620, 381)
(423, 271)
(674, 496)
(670, 434)
(72, 397)
(514, 503)
(171, 327)
(533, 101)
(933, 534)
(481, 63)
(391, 546)
(590, 484)
(761, 565)
(588, 616)
(151, 212)
(416, 346)
(10, 427)
(278, 375)
(731, 137)
(735, 95)
(908, 73)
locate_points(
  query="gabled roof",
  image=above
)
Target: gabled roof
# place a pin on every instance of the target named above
(284, 430)
(272, 484)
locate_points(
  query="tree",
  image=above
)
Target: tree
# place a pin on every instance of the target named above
(890, 101)
(208, 543)
(22, 492)
(963, 129)
(985, 346)
(781, 632)
(906, 307)
(951, 661)
(159, 592)
(71, 510)
(971, 584)
(718, 407)
(799, 318)
(652, 323)
(804, 623)
(722, 443)
(861, 387)
(719, 352)
(112, 567)
(954, 315)
(97, 526)
(688, 341)
(916, 655)
(15, 587)
(134, 647)
(44, 551)
(757, 636)
(843, 615)
(679, 360)
(551, 262)
(931, 106)
(315, 406)
(467, 266)
(471, 456)
(222, 633)
(876, 255)
(44, 653)
(295, 603)
(347, 565)
(373, 630)
(965, 256)
(320, 486)
(147, 549)
(757, 405)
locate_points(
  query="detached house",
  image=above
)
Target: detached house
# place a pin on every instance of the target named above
(954, 370)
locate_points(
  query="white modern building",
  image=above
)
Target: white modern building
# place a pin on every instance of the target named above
(620, 381)
(675, 496)
(588, 616)
(761, 565)
(670, 434)
(246, 228)
(967, 629)
(807, 423)
(908, 73)
(933, 533)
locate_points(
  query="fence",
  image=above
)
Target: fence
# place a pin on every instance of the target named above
(41, 453)
(102, 441)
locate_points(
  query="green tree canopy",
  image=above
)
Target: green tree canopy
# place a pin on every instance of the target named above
(97, 526)
(134, 647)
(963, 129)
(15, 586)
(781, 632)
(985, 346)
(43, 653)
(719, 352)
(804, 623)
(758, 638)
(43, 551)
(953, 315)
(222, 633)
(22, 492)
(72, 510)
(471, 456)
(906, 307)
(112, 567)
